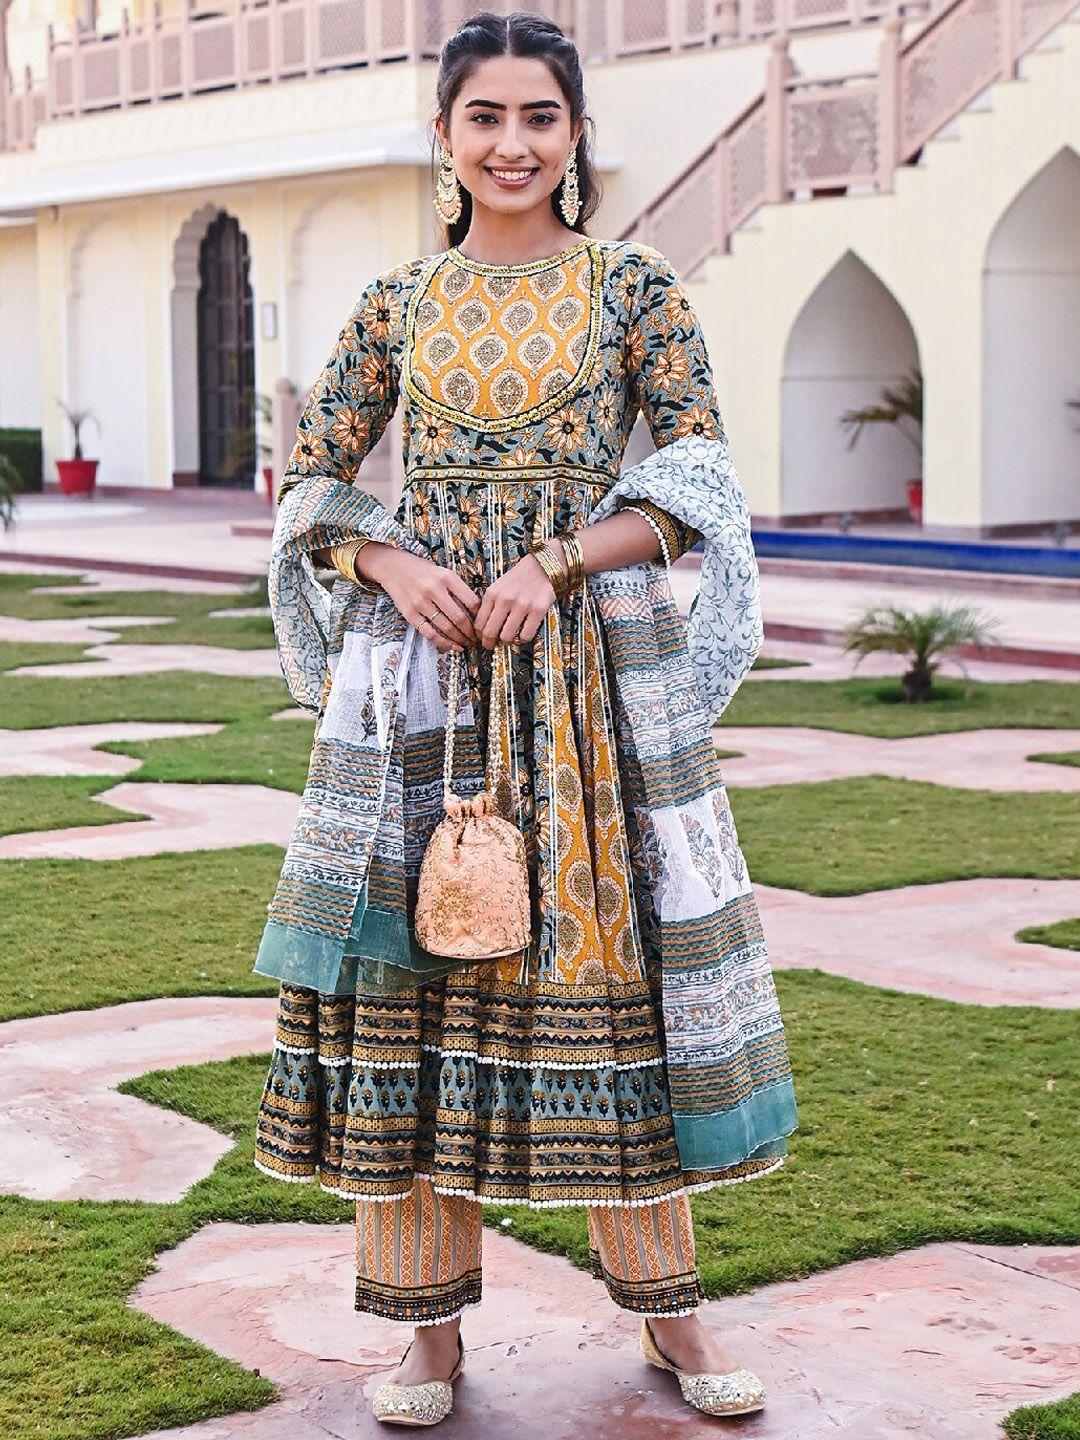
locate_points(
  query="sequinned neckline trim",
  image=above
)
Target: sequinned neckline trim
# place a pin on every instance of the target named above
(522, 267)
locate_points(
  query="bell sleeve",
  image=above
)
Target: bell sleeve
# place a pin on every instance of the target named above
(320, 504)
(689, 489)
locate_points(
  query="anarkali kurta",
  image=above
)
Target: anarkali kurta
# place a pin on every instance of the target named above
(635, 1049)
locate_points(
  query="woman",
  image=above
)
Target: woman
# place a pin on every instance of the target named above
(633, 1051)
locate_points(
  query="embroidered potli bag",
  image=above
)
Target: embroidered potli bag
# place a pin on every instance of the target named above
(473, 896)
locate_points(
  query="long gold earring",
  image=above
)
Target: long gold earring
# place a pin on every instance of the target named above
(569, 201)
(447, 200)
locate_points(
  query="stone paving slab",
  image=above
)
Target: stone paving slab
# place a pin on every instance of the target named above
(969, 759)
(953, 940)
(108, 659)
(829, 662)
(65, 1133)
(179, 818)
(70, 749)
(91, 579)
(938, 1342)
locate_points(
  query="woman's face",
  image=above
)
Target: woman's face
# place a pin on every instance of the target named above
(510, 134)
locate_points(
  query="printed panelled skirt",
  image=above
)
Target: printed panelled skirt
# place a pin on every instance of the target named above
(541, 1077)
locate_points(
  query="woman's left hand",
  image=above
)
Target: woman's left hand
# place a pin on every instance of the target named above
(514, 605)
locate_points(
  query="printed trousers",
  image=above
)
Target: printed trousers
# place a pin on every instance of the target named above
(418, 1257)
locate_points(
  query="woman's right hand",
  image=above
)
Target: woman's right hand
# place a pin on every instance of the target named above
(432, 597)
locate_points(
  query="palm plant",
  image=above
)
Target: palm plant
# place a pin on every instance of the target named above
(925, 636)
(77, 419)
(896, 404)
(10, 483)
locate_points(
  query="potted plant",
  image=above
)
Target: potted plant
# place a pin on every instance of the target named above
(264, 410)
(926, 637)
(77, 475)
(10, 482)
(901, 406)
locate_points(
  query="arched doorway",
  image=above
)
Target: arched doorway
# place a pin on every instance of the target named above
(850, 339)
(1031, 352)
(225, 342)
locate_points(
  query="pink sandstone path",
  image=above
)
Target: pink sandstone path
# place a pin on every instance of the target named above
(952, 940)
(65, 1133)
(938, 1342)
(969, 759)
(70, 749)
(181, 818)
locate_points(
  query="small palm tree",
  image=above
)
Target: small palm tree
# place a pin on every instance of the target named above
(926, 636)
(10, 484)
(77, 419)
(897, 405)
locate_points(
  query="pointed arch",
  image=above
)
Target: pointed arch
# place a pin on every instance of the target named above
(850, 338)
(1031, 351)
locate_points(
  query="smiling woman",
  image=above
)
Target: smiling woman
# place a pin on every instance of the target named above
(633, 1051)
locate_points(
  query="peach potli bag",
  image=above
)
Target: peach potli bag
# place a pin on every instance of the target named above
(473, 896)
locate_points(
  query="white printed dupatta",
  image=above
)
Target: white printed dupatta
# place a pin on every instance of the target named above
(354, 661)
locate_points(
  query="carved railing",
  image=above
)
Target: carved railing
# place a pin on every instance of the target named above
(829, 136)
(189, 47)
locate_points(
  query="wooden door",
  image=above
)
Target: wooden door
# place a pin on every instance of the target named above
(226, 347)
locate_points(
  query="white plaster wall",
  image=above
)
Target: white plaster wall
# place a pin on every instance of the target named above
(20, 360)
(107, 348)
(1031, 351)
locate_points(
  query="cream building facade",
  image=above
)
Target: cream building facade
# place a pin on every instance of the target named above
(138, 240)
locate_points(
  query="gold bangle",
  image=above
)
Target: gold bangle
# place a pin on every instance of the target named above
(575, 559)
(551, 567)
(343, 558)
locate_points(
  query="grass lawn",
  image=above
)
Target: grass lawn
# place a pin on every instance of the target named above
(52, 802)
(31, 702)
(13, 654)
(82, 933)
(877, 832)
(1065, 934)
(189, 612)
(247, 752)
(877, 707)
(1059, 757)
(919, 1121)
(1060, 1421)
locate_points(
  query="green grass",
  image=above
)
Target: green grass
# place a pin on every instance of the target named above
(80, 933)
(13, 654)
(1060, 757)
(29, 702)
(773, 662)
(247, 752)
(1065, 934)
(920, 1121)
(846, 837)
(1057, 1421)
(54, 802)
(877, 707)
(189, 613)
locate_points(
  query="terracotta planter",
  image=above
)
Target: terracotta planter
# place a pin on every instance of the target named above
(268, 482)
(76, 476)
(914, 501)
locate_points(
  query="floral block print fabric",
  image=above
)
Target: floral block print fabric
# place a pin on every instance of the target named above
(634, 1049)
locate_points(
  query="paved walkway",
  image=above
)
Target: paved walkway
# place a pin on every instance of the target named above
(65, 1133)
(70, 749)
(937, 1342)
(969, 759)
(953, 940)
(179, 817)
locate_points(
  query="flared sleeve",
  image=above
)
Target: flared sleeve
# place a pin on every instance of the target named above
(689, 488)
(346, 413)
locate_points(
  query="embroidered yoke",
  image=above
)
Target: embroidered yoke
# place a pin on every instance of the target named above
(635, 1050)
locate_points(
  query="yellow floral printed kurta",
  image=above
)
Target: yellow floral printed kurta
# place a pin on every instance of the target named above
(634, 1049)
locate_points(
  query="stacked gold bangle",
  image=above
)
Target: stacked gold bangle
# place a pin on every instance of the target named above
(567, 573)
(343, 558)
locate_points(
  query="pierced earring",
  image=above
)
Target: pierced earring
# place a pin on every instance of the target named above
(447, 200)
(569, 201)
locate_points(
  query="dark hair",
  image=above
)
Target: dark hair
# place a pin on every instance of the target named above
(485, 35)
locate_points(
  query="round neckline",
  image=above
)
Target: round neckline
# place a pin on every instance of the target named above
(517, 267)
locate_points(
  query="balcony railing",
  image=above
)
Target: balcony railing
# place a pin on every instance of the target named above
(195, 46)
(831, 136)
